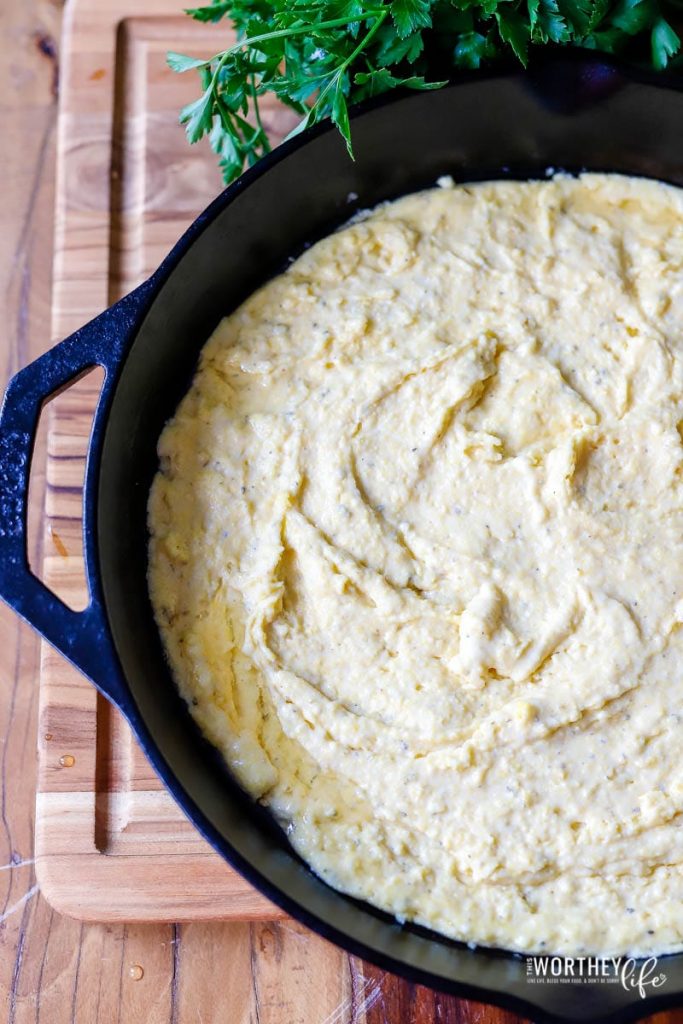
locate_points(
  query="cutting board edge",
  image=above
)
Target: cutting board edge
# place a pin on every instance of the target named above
(91, 883)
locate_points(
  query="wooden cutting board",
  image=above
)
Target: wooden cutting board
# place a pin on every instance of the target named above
(110, 842)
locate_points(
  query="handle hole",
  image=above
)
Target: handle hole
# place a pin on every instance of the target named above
(55, 523)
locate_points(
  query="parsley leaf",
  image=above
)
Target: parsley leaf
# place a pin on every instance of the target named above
(198, 116)
(514, 30)
(409, 15)
(578, 14)
(547, 22)
(179, 62)
(214, 12)
(393, 49)
(632, 16)
(471, 49)
(340, 113)
(665, 43)
(373, 83)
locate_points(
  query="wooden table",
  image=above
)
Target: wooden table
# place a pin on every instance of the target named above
(53, 968)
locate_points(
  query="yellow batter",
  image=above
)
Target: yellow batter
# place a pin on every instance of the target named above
(417, 559)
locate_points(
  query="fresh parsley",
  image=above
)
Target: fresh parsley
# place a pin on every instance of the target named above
(318, 56)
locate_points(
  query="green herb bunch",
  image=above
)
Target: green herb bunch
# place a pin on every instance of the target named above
(318, 56)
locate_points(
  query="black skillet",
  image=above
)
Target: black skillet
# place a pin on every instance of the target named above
(569, 113)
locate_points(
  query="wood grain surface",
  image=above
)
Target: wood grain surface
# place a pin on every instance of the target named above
(111, 844)
(52, 968)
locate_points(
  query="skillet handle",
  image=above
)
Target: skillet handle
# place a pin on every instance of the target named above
(82, 637)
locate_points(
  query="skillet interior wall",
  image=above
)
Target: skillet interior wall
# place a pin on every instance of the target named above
(507, 126)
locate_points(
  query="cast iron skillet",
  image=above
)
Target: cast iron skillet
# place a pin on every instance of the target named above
(570, 113)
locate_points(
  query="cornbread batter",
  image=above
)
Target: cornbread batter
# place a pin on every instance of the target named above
(417, 559)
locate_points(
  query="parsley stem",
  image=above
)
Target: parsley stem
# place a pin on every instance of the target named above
(335, 77)
(298, 30)
(350, 59)
(381, 16)
(257, 113)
